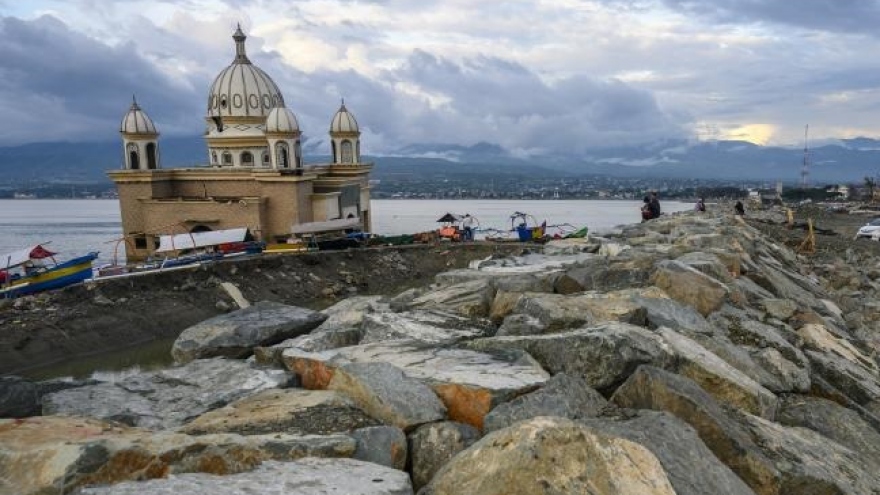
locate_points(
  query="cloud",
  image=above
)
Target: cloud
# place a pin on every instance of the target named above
(844, 16)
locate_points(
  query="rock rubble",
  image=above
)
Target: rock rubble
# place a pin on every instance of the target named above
(691, 354)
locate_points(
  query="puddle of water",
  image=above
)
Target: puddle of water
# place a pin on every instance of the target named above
(149, 355)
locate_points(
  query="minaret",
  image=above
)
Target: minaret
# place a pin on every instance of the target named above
(345, 138)
(282, 134)
(140, 139)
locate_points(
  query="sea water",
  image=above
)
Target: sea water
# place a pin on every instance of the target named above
(74, 227)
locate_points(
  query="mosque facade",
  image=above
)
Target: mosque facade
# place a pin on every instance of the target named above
(255, 176)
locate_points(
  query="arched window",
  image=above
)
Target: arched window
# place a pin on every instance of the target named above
(283, 157)
(357, 152)
(247, 159)
(133, 157)
(265, 159)
(227, 158)
(214, 157)
(335, 156)
(152, 161)
(346, 152)
(297, 152)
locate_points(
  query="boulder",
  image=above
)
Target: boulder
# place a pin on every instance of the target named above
(384, 392)
(293, 411)
(470, 299)
(832, 421)
(167, 398)
(434, 444)
(430, 326)
(551, 455)
(721, 380)
(52, 454)
(689, 286)
(652, 388)
(236, 334)
(604, 355)
(562, 396)
(385, 445)
(469, 383)
(691, 467)
(319, 476)
(811, 463)
(19, 398)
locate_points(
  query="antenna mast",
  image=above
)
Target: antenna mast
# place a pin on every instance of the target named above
(805, 170)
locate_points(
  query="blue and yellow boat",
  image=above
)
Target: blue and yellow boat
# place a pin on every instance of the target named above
(34, 269)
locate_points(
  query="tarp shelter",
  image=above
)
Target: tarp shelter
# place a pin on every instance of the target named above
(195, 240)
(16, 258)
(449, 217)
(326, 226)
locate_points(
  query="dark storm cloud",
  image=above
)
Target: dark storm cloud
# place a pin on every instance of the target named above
(68, 86)
(827, 15)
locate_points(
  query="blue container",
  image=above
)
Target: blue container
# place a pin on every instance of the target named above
(525, 233)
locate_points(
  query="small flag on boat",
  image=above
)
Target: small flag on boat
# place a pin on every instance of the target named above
(39, 252)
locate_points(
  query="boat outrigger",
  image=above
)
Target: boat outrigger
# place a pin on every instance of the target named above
(34, 269)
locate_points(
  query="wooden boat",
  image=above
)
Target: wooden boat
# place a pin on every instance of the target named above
(34, 269)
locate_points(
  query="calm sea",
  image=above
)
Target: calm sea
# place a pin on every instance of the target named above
(74, 227)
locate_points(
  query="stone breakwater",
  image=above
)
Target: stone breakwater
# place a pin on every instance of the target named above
(687, 355)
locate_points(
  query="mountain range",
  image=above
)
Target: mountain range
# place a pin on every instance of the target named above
(844, 161)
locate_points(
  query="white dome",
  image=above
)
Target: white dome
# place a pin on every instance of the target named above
(281, 119)
(242, 89)
(344, 122)
(136, 121)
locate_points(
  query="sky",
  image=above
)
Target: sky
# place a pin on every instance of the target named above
(532, 76)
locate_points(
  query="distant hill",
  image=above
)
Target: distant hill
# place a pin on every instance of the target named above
(844, 161)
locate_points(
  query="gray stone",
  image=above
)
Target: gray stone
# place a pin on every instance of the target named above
(19, 398)
(434, 327)
(664, 312)
(605, 355)
(292, 411)
(562, 396)
(689, 286)
(692, 468)
(167, 398)
(519, 324)
(385, 445)
(781, 309)
(312, 476)
(433, 445)
(706, 263)
(832, 421)
(236, 334)
(470, 299)
(652, 388)
(469, 383)
(385, 393)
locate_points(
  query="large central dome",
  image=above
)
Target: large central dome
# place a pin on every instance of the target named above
(242, 89)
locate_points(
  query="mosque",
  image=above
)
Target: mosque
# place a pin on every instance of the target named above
(255, 176)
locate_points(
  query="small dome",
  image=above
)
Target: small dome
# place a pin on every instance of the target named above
(243, 89)
(344, 121)
(136, 121)
(281, 119)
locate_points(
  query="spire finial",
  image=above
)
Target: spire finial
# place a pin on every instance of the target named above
(239, 37)
(134, 103)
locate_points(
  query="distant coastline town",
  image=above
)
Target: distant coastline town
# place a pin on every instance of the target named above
(518, 187)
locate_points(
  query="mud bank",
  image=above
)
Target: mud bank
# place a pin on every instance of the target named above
(109, 315)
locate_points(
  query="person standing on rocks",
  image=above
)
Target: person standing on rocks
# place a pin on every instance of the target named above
(468, 226)
(654, 205)
(700, 206)
(739, 209)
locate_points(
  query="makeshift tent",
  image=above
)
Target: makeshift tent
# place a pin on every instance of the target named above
(194, 240)
(326, 226)
(16, 258)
